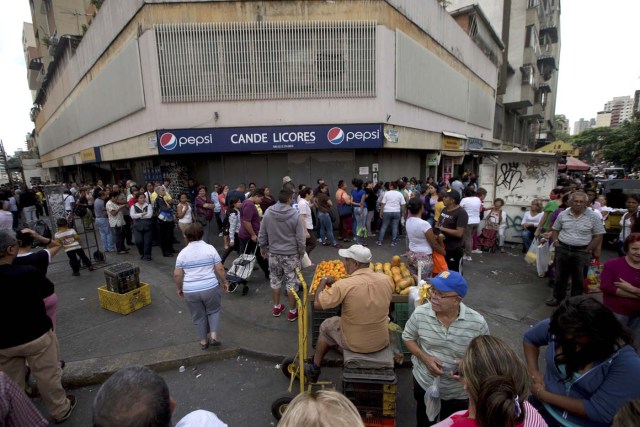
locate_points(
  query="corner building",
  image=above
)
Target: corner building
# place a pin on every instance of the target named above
(239, 91)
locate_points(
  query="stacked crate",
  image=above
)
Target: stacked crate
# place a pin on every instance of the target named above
(374, 394)
(123, 292)
(122, 278)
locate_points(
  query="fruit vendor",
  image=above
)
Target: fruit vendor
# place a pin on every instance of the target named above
(437, 335)
(365, 297)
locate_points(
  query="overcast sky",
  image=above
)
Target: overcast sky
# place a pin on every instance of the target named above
(599, 60)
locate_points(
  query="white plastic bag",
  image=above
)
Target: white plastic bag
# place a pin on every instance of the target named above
(432, 399)
(306, 261)
(530, 257)
(542, 258)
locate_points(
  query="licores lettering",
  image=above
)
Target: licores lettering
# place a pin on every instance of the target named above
(279, 137)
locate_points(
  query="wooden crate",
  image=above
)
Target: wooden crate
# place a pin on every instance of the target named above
(125, 303)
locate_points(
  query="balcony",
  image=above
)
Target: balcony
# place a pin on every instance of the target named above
(544, 88)
(524, 98)
(534, 112)
(34, 58)
(549, 29)
(547, 65)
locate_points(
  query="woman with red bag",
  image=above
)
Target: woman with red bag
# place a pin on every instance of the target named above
(422, 241)
(620, 284)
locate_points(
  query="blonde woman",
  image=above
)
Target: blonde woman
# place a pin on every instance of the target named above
(498, 385)
(324, 408)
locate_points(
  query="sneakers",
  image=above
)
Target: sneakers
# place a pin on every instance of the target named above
(312, 372)
(476, 251)
(293, 315)
(378, 242)
(394, 243)
(277, 310)
(65, 417)
(337, 245)
(467, 258)
(220, 234)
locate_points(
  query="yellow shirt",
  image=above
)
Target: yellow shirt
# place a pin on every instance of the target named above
(365, 297)
(439, 206)
(167, 197)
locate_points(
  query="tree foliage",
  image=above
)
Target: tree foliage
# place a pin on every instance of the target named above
(622, 147)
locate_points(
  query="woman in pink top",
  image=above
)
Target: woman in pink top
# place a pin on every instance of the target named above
(498, 384)
(620, 284)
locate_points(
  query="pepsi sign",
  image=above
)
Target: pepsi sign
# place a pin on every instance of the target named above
(272, 138)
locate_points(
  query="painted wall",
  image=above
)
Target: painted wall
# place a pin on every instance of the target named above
(520, 178)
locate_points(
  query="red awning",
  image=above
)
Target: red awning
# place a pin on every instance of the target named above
(574, 164)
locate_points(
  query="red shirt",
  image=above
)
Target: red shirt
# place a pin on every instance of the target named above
(614, 270)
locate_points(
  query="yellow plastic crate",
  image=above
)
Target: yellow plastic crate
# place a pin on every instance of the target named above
(125, 303)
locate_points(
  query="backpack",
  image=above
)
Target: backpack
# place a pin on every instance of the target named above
(226, 224)
(42, 229)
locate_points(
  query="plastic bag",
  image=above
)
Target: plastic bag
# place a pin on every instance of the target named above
(531, 256)
(395, 340)
(592, 281)
(542, 258)
(439, 263)
(432, 399)
(362, 232)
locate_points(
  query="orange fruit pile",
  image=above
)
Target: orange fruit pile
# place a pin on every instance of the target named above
(334, 268)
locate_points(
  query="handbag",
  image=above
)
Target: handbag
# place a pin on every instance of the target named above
(166, 216)
(439, 263)
(592, 281)
(344, 209)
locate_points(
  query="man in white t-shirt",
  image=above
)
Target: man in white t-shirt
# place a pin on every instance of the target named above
(392, 209)
(472, 204)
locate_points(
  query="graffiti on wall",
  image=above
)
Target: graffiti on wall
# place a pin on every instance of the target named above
(509, 176)
(535, 169)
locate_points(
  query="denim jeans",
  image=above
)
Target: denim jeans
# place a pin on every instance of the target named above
(119, 237)
(394, 219)
(527, 238)
(143, 233)
(106, 234)
(29, 213)
(326, 227)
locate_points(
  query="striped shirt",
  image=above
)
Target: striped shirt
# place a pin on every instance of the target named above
(68, 238)
(197, 260)
(578, 230)
(445, 344)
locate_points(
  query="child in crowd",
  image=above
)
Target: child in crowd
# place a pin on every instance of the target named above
(231, 228)
(70, 241)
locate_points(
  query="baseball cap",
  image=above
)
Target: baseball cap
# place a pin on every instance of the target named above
(453, 194)
(356, 252)
(448, 281)
(286, 179)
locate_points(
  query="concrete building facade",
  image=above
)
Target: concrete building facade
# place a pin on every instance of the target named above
(242, 91)
(528, 80)
(621, 109)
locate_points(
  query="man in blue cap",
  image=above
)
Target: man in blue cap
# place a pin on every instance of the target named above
(437, 335)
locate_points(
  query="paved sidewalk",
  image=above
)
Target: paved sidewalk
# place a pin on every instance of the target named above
(95, 342)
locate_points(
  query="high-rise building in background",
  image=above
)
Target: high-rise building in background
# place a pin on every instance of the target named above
(582, 125)
(603, 119)
(621, 109)
(636, 103)
(528, 80)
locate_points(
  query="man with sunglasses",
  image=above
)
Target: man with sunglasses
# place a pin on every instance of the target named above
(437, 335)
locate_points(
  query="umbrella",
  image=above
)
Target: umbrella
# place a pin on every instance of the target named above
(574, 164)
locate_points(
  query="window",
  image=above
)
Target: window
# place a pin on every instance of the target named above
(275, 60)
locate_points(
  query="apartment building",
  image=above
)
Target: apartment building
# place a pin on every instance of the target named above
(528, 79)
(582, 125)
(621, 109)
(241, 91)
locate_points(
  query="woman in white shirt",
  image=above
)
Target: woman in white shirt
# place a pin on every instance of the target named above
(530, 221)
(496, 219)
(422, 241)
(184, 213)
(142, 215)
(472, 205)
(627, 221)
(304, 206)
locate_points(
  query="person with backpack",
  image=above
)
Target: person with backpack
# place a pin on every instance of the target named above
(231, 228)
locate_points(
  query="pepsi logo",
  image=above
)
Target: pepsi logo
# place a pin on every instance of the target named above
(168, 141)
(335, 136)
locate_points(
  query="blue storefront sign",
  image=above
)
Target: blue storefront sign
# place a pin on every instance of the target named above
(269, 138)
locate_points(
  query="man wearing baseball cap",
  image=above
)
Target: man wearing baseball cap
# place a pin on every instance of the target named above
(437, 334)
(450, 228)
(365, 297)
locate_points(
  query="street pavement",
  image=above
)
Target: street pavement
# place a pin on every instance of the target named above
(240, 379)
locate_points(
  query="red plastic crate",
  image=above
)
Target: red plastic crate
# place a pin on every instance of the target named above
(379, 422)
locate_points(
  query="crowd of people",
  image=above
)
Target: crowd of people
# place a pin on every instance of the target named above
(480, 380)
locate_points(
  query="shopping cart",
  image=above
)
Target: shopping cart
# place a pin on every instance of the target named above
(241, 270)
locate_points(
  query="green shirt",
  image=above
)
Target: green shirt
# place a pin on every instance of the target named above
(549, 208)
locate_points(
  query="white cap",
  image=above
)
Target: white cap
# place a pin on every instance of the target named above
(200, 418)
(286, 179)
(356, 252)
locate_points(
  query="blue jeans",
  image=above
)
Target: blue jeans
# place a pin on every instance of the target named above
(326, 227)
(358, 221)
(106, 235)
(527, 238)
(394, 219)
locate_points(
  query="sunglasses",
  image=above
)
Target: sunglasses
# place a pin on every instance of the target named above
(437, 294)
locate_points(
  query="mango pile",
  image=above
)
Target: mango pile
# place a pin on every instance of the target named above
(396, 271)
(334, 268)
